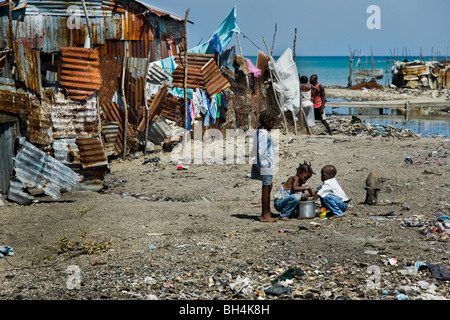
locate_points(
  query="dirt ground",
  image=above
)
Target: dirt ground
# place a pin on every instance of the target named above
(158, 233)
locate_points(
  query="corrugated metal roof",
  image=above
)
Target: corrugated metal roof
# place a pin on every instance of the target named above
(34, 168)
(80, 72)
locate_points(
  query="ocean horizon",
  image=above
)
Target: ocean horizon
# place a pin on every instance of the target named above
(335, 70)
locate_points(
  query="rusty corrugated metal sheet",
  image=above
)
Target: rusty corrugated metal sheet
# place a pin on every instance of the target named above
(39, 123)
(66, 151)
(80, 72)
(73, 119)
(111, 71)
(36, 169)
(202, 73)
(155, 107)
(28, 64)
(13, 100)
(110, 131)
(91, 151)
(111, 112)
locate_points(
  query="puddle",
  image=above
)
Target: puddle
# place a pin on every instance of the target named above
(425, 122)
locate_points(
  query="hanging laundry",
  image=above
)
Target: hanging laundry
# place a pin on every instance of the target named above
(205, 103)
(192, 110)
(219, 104)
(215, 43)
(211, 113)
(226, 57)
(188, 122)
(256, 72)
(223, 107)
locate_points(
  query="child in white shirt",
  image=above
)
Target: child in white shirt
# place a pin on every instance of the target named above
(332, 197)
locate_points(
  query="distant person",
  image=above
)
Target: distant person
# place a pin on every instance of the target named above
(331, 195)
(264, 151)
(292, 191)
(319, 100)
(306, 101)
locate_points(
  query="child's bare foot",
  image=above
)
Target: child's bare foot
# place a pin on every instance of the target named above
(267, 219)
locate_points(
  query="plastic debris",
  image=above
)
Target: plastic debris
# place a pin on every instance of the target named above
(6, 251)
(277, 290)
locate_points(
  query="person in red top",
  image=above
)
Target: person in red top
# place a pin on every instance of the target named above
(319, 99)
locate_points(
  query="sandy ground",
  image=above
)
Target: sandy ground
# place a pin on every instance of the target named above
(158, 233)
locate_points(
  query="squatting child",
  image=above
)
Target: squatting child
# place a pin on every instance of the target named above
(332, 197)
(287, 198)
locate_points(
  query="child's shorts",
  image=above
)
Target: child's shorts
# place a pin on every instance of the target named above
(267, 180)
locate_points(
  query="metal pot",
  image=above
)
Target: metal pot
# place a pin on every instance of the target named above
(306, 210)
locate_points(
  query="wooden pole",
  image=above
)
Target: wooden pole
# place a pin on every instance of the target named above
(351, 69)
(125, 107)
(239, 44)
(88, 22)
(11, 33)
(186, 108)
(274, 92)
(273, 41)
(147, 109)
(295, 40)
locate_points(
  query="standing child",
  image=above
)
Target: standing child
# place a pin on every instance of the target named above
(290, 193)
(332, 197)
(264, 150)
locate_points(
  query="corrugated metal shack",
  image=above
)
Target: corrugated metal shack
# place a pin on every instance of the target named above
(422, 74)
(61, 69)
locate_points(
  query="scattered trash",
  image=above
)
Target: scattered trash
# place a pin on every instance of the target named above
(277, 290)
(6, 251)
(439, 271)
(289, 274)
(393, 261)
(151, 160)
(151, 247)
(439, 229)
(401, 296)
(242, 285)
(182, 167)
(408, 160)
(372, 252)
(415, 221)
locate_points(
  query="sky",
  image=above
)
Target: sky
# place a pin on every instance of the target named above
(324, 27)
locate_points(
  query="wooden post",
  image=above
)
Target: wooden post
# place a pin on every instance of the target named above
(295, 40)
(351, 69)
(147, 109)
(125, 107)
(186, 108)
(239, 44)
(273, 41)
(88, 22)
(274, 92)
(11, 33)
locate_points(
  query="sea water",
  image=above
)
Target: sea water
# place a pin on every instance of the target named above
(335, 71)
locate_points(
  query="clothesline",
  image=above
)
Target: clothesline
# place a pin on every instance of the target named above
(251, 41)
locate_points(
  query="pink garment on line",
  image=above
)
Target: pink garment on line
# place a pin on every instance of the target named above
(252, 69)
